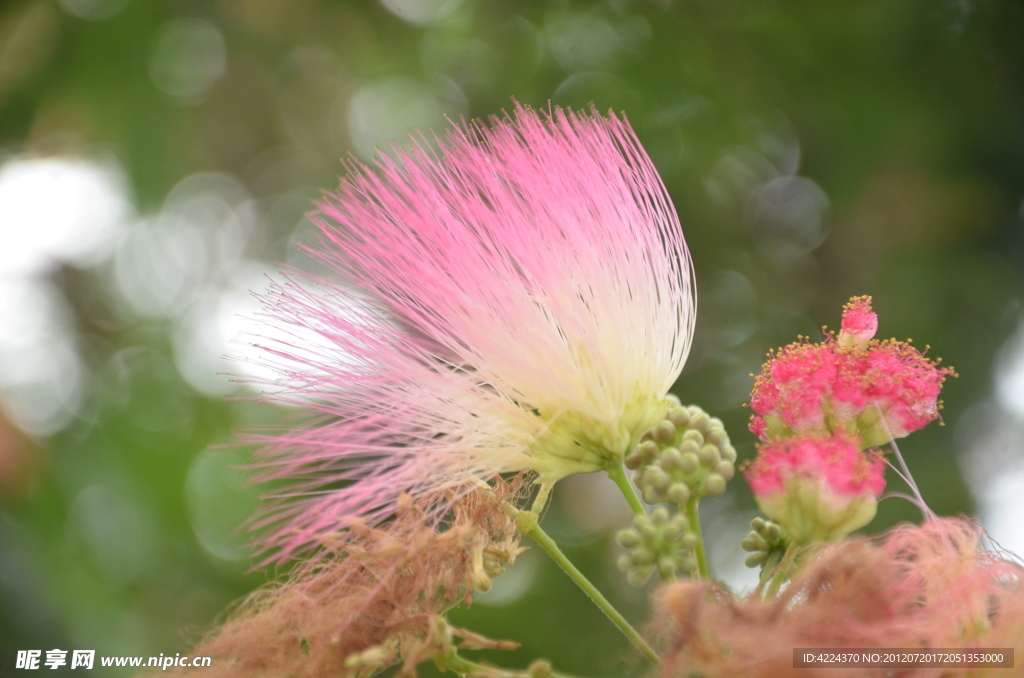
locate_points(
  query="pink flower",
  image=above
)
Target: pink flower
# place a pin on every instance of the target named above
(904, 385)
(520, 299)
(793, 387)
(853, 383)
(859, 323)
(817, 487)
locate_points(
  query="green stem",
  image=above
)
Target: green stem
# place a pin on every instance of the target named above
(526, 523)
(702, 556)
(781, 573)
(768, 569)
(542, 497)
(618, 474)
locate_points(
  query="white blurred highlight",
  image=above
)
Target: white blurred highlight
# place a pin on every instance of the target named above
(1003, 508)
(421, 12)
(93, 10)
(55, 210)
(223, 322)
(166, 262)
(1009, 374)
(990, 438)
(40, 371)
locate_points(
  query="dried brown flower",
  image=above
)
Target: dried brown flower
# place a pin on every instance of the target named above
(377, 603)
(928, 586)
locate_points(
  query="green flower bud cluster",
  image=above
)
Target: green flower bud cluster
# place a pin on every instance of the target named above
(656, 541)
(767, 543)
(686, 454)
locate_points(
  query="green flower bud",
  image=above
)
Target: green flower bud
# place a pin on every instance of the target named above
(628, 539)
(638, 577)
(648, 451)
(709, 456)
(755, 559)
(664, 431)
(661, 481)
(660, 541)
(641, 556)
(754, 542)
(696, 437)
(686, 454)
(679, 416)
(725, 469)
(670, 458)
(678, 494)
(700, 421)
(714, 485)
(767, 542)
(689, 463)
(717, 437)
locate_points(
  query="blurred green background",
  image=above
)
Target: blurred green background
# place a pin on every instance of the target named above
(157, 156)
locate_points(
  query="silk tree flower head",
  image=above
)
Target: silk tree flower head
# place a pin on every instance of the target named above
(818, 488)
(520, 298)
(877, 389)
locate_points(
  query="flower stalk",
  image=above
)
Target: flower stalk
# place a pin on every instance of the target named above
(703, 571)
(617, 473)
(526, 524)
(781, 573)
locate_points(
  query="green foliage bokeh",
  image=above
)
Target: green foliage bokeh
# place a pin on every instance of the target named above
(903, 119)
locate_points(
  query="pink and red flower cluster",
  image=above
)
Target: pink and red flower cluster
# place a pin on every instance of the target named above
(821, 409)
(875, 388)
(818, 488)
(837, 463)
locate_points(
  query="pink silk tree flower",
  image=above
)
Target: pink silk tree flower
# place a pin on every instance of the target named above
(876, 389)
(519, 299)
(793, 388)
(819, 488)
